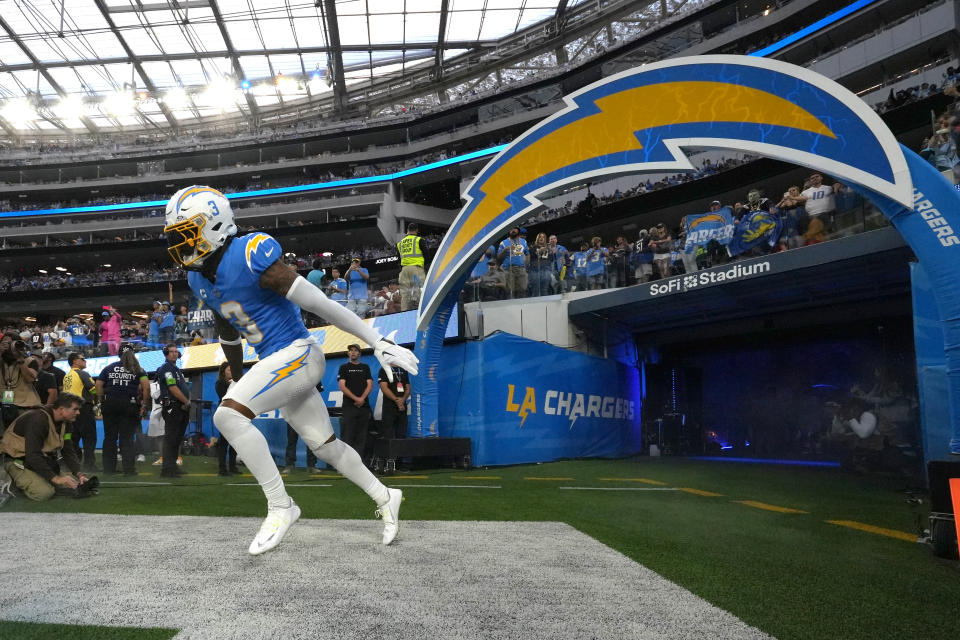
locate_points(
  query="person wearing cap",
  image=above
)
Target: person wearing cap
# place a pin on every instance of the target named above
(110, 330)
(357, 278)
(175, 411)
(153, 333)
(125, 390)
(79, 383)
(356, 383)
(493, 284)
(412, 275)
(166, 324)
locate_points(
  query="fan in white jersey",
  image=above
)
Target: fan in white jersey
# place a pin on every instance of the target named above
(253, 294)
(819, 197)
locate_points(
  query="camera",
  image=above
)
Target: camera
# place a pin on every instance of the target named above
(16, 353)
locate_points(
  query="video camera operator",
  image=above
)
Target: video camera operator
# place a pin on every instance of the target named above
(31, 446)
(18, 372)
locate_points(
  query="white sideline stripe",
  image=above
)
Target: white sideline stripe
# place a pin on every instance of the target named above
(450, 486)
(620, 488)
(133, 482)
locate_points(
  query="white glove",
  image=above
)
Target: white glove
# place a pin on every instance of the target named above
(392, 355)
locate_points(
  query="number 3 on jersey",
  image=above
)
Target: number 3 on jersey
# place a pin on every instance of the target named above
(233, 313)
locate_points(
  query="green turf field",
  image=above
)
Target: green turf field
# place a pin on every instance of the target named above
(775, 562)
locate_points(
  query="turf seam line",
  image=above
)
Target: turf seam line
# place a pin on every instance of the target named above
(619, 488)
(701, 492)
(767, 507)
(880, 531)
(450, 486)
(643, 480)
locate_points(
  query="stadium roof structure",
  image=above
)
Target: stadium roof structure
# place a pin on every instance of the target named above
(104, 66)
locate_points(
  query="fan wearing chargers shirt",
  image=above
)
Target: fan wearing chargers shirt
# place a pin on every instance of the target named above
(253, 294)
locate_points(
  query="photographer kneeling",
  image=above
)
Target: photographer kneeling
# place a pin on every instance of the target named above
(30, 447)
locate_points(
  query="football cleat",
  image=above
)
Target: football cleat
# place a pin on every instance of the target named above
(274, 527)
(390, 512)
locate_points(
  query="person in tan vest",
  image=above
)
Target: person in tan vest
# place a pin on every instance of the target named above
(18, 371)
(31, 445)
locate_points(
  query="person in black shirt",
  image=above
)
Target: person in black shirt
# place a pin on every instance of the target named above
(356, 383)
(175, 412)
(125, 390)
(224, 450)
(31, 445)
(46, 385)
(57, 372)
(393, 420)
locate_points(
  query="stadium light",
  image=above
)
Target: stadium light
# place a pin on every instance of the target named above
(61, 268)
(108, 265)
(176, 98)
(43, 271)
(18, 111)
(70, 106)
(263, 89)
(288, 86)
(245, 85)
(119, 103)
(316, 83)
(220, 94)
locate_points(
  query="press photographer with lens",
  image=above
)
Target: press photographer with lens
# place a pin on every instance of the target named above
(32, 445)
(18, 372)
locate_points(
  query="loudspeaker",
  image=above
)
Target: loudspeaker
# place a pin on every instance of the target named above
(939, 473)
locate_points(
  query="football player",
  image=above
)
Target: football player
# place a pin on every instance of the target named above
(254, 295)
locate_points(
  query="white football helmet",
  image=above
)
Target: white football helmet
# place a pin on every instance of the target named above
(198, 222)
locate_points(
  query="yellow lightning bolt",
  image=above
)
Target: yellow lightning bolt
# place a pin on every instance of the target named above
(285, 371)
(253, 243)
(612, 131)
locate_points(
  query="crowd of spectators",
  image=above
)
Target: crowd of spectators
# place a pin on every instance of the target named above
(512, 269)
(802, 216)
(940, 147)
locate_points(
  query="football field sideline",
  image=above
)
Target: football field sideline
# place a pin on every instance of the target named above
(332, 579)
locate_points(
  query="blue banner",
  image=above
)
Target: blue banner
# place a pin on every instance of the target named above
(754, 229)
(522, 401)
(702, 228)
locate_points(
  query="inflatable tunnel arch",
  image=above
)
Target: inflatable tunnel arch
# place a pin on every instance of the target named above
(641, 120)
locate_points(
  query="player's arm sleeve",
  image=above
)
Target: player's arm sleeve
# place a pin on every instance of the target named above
(311, 299)
(231, 345)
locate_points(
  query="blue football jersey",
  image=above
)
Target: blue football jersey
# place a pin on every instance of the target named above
(267, 320)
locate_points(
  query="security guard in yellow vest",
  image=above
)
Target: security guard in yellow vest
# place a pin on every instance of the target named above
(412, 275)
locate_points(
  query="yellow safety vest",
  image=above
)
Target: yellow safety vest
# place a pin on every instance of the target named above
(409, 249)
